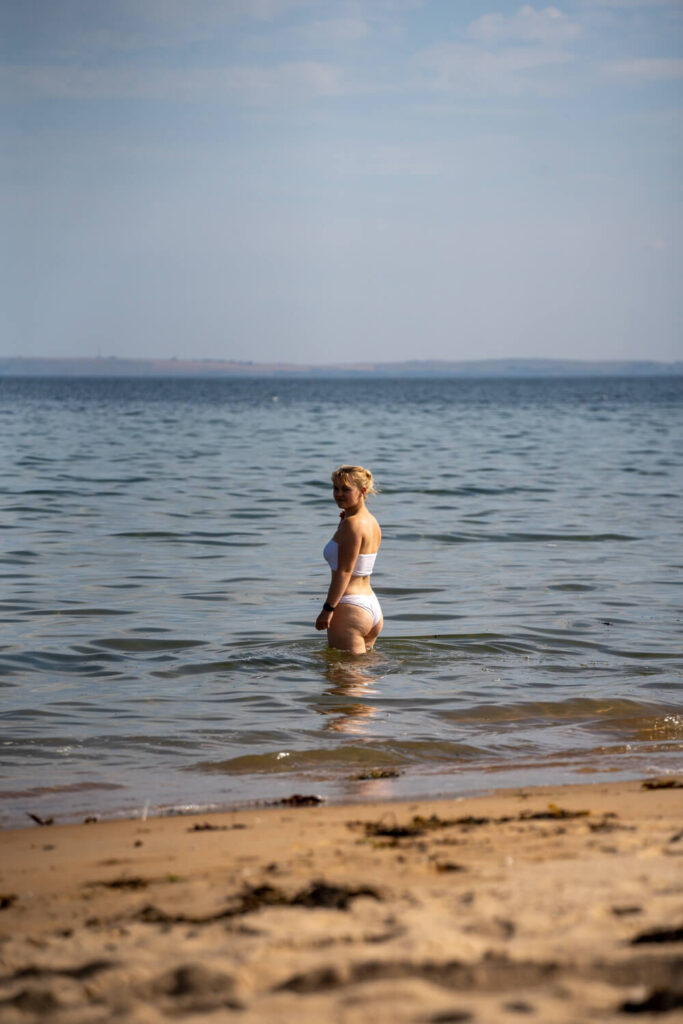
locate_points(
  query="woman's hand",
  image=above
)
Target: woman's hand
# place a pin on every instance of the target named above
(324, 619)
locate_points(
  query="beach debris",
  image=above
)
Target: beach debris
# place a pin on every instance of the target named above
(554, 813)
(251, 898)
(133, 882)
(206, 826)
(298, 800)
(519, 1006)
(451, 1017)
(493, 972)
(37, 1001)
(392, 831)
(7, 899)
(419, 825)
(660, 1000)
(196, 988)
(319, 979)
(151, 914)
(665, 783)
(608, 824)
(377, 773)
(191, 978)
(658, 935)
(40, 821)
(472, 819)
(80, 973)
(337, 897)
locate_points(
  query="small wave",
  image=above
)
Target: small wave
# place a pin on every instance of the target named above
(132, 644)
(45, 661)
(576, 709)
(423, 617)
(67, 612)
(209, 540)
(346, 757)
(572, 587)
(523, 538)
(408, 591)
(32, 792)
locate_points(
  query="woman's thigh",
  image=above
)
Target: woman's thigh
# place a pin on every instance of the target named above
(349, 628)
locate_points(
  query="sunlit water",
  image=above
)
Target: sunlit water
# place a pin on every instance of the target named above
(162, 570)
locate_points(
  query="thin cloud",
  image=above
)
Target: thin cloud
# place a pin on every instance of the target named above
(87, 30)
(644, 69)
(628, 4)
(321, 34)
(241, 84)
(334, 32)
(548, 26)
(301, 78)
(466, 69)
(207, 11)
(501, 54)
(388, 161)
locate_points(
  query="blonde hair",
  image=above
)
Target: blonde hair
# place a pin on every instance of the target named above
(356, 476)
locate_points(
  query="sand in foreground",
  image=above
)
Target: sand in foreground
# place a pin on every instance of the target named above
(550, 905)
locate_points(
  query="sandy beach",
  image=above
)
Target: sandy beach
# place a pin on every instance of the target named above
(562, 905)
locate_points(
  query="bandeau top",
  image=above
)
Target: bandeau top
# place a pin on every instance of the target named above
(364, 563)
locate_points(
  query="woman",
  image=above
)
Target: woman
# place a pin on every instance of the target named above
(351, 613)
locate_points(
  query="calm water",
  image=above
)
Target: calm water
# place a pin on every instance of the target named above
(161, 572)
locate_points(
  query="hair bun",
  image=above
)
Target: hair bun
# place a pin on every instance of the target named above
(357, 476)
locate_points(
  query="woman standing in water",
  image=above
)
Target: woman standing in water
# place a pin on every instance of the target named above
(351, 613)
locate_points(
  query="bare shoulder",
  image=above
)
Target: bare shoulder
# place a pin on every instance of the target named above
(363, 530)
(352, 527)
(372, 532)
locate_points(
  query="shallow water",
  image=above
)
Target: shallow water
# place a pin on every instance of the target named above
(162, 570)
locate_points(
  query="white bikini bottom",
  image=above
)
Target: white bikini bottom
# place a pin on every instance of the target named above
(367, 601)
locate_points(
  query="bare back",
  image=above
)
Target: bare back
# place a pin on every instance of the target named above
(358, 535)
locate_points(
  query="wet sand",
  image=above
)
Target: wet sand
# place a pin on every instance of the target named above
(546, 904)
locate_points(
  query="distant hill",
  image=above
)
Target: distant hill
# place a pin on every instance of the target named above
(114, 367)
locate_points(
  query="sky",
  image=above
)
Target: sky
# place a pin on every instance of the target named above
(319, 181)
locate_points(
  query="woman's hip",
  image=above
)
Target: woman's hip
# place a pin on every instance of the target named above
(368, 602)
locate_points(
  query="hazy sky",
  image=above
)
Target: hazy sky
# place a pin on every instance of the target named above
(330, 180)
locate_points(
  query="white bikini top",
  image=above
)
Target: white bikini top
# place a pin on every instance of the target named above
(364, 563)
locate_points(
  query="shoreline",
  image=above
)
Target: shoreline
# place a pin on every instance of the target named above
(560, 903)
(376, 786)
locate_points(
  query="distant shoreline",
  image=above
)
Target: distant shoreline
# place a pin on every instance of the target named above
(426, 369)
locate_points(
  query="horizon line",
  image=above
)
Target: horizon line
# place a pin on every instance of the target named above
(177, 368)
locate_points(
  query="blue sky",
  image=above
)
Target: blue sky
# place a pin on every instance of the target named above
(314, 181)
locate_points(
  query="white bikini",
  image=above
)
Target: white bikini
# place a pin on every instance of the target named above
(363, 567)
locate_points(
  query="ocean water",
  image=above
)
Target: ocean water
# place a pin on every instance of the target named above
(162, 569)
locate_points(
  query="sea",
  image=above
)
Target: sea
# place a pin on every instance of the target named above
(161, 572)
